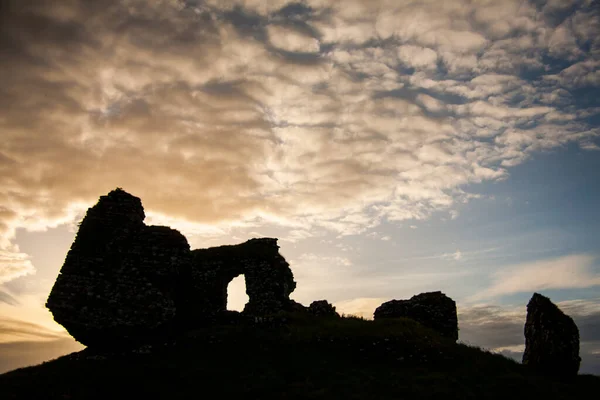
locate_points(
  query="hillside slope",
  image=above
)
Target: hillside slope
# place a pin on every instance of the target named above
(293, 357)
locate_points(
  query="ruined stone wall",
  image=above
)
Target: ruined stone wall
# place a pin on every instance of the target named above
(434, 310)
(322, 308)
(120, 277)
(269, 279)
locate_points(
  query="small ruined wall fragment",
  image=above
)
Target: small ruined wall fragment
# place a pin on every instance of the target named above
(120, 279)
(322, 308)
(434, 310)
(551, 339)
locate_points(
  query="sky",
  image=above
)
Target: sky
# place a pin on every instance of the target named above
(393, 147)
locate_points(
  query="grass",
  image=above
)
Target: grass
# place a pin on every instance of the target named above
(294, 357)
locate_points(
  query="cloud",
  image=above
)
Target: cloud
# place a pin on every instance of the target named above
(320, 273)
(341, 271)
(362, 307)
(589, 146)
(291, 40)
(7, 298)
(573, 271)
(583, 73)
(14, 264)
(14, 330)
(30, 335)
(563, 43)
(417, 57)
(457, 255)
(492, 327)
(311, 116)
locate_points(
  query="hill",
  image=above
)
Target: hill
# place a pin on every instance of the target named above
(292, 356)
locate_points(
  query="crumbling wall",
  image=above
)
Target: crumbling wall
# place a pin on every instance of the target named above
(269, 279)
(322, 308)
(119, 281)
(434, 310)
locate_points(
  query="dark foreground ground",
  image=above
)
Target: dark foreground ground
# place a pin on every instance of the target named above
(301, 358)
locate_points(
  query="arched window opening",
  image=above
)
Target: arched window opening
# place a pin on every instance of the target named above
(236, 294)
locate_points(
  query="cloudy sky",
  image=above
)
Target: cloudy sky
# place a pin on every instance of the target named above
(393, 147)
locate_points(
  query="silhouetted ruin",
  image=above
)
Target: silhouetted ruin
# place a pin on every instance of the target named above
(434, 310)
(123, 281)
(269, 279)
(551, 339)
(120, 279)
(322, 308)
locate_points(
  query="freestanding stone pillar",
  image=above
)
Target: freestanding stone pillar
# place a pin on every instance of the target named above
(551, 339)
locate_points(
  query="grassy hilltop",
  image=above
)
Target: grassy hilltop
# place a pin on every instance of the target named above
(293, 357)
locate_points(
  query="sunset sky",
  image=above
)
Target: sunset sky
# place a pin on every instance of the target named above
(393, 147)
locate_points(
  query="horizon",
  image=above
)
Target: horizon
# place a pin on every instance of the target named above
(393, 148)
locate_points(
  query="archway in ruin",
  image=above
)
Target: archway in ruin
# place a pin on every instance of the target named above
(269, 280)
